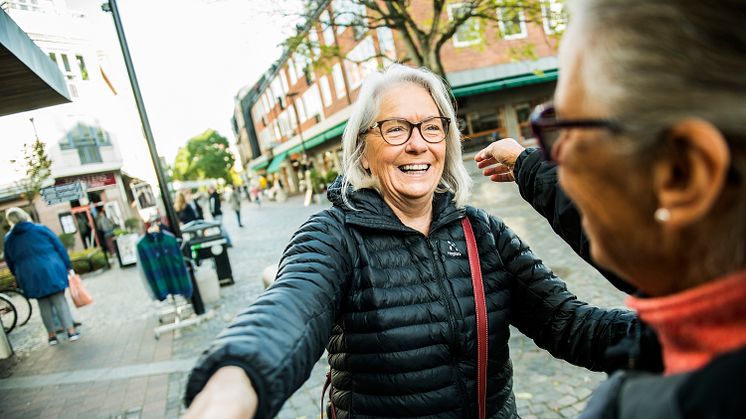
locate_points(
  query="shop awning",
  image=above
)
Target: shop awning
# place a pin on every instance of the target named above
(29, 79)
(259, 164)
(506, 83)
(277, 161)
(319, 139)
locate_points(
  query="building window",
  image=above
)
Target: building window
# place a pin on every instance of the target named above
(326, 92)
(386, 42)
(312, 101)
(284, 81)
(554, 16)
(485, 121)
(291, 71)
(53, 56)
(345, 13)
(81, 66)
(339, 82)
(313, 39)
(89, 154)
(66, 63)
(512, 23)
(327, 31)
(468, 33)
(360, 62)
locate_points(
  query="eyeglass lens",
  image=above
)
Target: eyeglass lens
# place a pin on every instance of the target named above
(398, 131)
(547, 135)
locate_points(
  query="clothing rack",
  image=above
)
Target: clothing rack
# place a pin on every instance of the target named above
(183, 316)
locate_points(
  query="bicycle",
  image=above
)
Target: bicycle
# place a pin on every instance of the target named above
(21, 304)
(7, 313)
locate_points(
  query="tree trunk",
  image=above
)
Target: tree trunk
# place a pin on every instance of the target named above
(431, 59)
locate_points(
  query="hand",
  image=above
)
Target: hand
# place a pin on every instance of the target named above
(228, 394)
(498, 159)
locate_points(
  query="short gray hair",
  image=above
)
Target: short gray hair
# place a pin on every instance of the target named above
(15, 215)
(455, 178)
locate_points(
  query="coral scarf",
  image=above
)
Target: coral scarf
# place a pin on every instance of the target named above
(698, 324)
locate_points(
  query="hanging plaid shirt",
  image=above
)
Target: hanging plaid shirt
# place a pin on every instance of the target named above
(163, 264)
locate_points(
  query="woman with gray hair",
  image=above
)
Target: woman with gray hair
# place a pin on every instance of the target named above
(648, 138)
(383, 281)
(39, 261)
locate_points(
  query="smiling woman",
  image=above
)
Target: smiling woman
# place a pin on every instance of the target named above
(384, 281)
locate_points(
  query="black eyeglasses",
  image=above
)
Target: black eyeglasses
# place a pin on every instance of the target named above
(398, 131)
(548, 129)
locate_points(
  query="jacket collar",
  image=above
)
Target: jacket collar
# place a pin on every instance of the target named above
(371, 211)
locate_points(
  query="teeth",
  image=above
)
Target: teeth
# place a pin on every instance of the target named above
(413, 167)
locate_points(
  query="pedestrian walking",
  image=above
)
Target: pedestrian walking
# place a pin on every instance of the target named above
(214, 202)
(383, 280)
(106, 229)
(652, 152)
(39, 261)
(234, 199)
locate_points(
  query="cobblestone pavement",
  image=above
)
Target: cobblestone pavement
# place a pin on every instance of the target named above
(118, 369)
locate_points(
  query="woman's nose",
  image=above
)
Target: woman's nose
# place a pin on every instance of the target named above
(416, 143)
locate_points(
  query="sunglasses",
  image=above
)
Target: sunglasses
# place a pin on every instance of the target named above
(548, 128)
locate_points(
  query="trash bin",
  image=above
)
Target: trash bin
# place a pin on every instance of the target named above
(206, 240)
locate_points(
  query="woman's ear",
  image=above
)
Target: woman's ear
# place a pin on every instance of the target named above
(690, 174)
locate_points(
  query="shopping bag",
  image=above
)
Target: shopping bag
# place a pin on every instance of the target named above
(79, 294)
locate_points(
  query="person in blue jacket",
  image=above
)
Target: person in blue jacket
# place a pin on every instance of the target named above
(40, 263)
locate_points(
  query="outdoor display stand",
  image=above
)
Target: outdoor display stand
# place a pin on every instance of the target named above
(167, 277)
(206, 240)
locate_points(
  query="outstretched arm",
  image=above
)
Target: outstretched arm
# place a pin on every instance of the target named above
(277, 340)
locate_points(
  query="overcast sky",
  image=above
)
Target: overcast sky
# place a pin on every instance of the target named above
(191, 57)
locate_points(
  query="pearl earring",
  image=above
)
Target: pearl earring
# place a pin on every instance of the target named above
(662, 215)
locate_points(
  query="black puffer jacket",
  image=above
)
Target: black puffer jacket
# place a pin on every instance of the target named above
(395, 310)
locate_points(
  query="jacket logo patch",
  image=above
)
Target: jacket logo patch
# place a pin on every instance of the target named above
(453, 250)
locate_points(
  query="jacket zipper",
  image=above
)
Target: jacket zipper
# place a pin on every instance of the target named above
(439, 261)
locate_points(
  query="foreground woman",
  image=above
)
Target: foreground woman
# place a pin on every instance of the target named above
(651, 147)
(382, 280)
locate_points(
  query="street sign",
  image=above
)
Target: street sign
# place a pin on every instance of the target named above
(63, 193)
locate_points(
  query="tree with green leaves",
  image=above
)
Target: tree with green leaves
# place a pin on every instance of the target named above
(425, 26)
(37, 169)
(206, 156)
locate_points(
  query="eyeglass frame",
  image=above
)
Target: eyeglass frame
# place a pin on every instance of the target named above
(418, 125)
(540, 122)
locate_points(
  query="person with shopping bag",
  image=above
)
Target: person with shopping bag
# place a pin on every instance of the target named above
(409, 290)
(41, 265)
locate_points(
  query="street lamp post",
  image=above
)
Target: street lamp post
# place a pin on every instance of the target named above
(304, 158)
(111, 6)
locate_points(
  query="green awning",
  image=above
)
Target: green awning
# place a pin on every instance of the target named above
(312, 142)
(277, 161)
(259, 166)
(506, 83)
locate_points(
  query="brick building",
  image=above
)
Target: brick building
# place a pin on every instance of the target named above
(494, 91)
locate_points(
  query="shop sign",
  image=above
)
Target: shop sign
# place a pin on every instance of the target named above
(53, 195)
(97, 180)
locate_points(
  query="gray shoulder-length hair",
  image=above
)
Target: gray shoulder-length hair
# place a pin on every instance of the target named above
(15, 215)
(455, 178)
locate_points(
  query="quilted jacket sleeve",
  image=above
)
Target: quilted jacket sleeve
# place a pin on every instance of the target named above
(283, 333)
(545, 311)
(537, 182)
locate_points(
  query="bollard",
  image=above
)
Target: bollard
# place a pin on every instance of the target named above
(6, 350)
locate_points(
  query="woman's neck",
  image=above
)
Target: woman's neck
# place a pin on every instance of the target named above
(416, 214)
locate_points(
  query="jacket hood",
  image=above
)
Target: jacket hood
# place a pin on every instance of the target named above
(22, 227)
